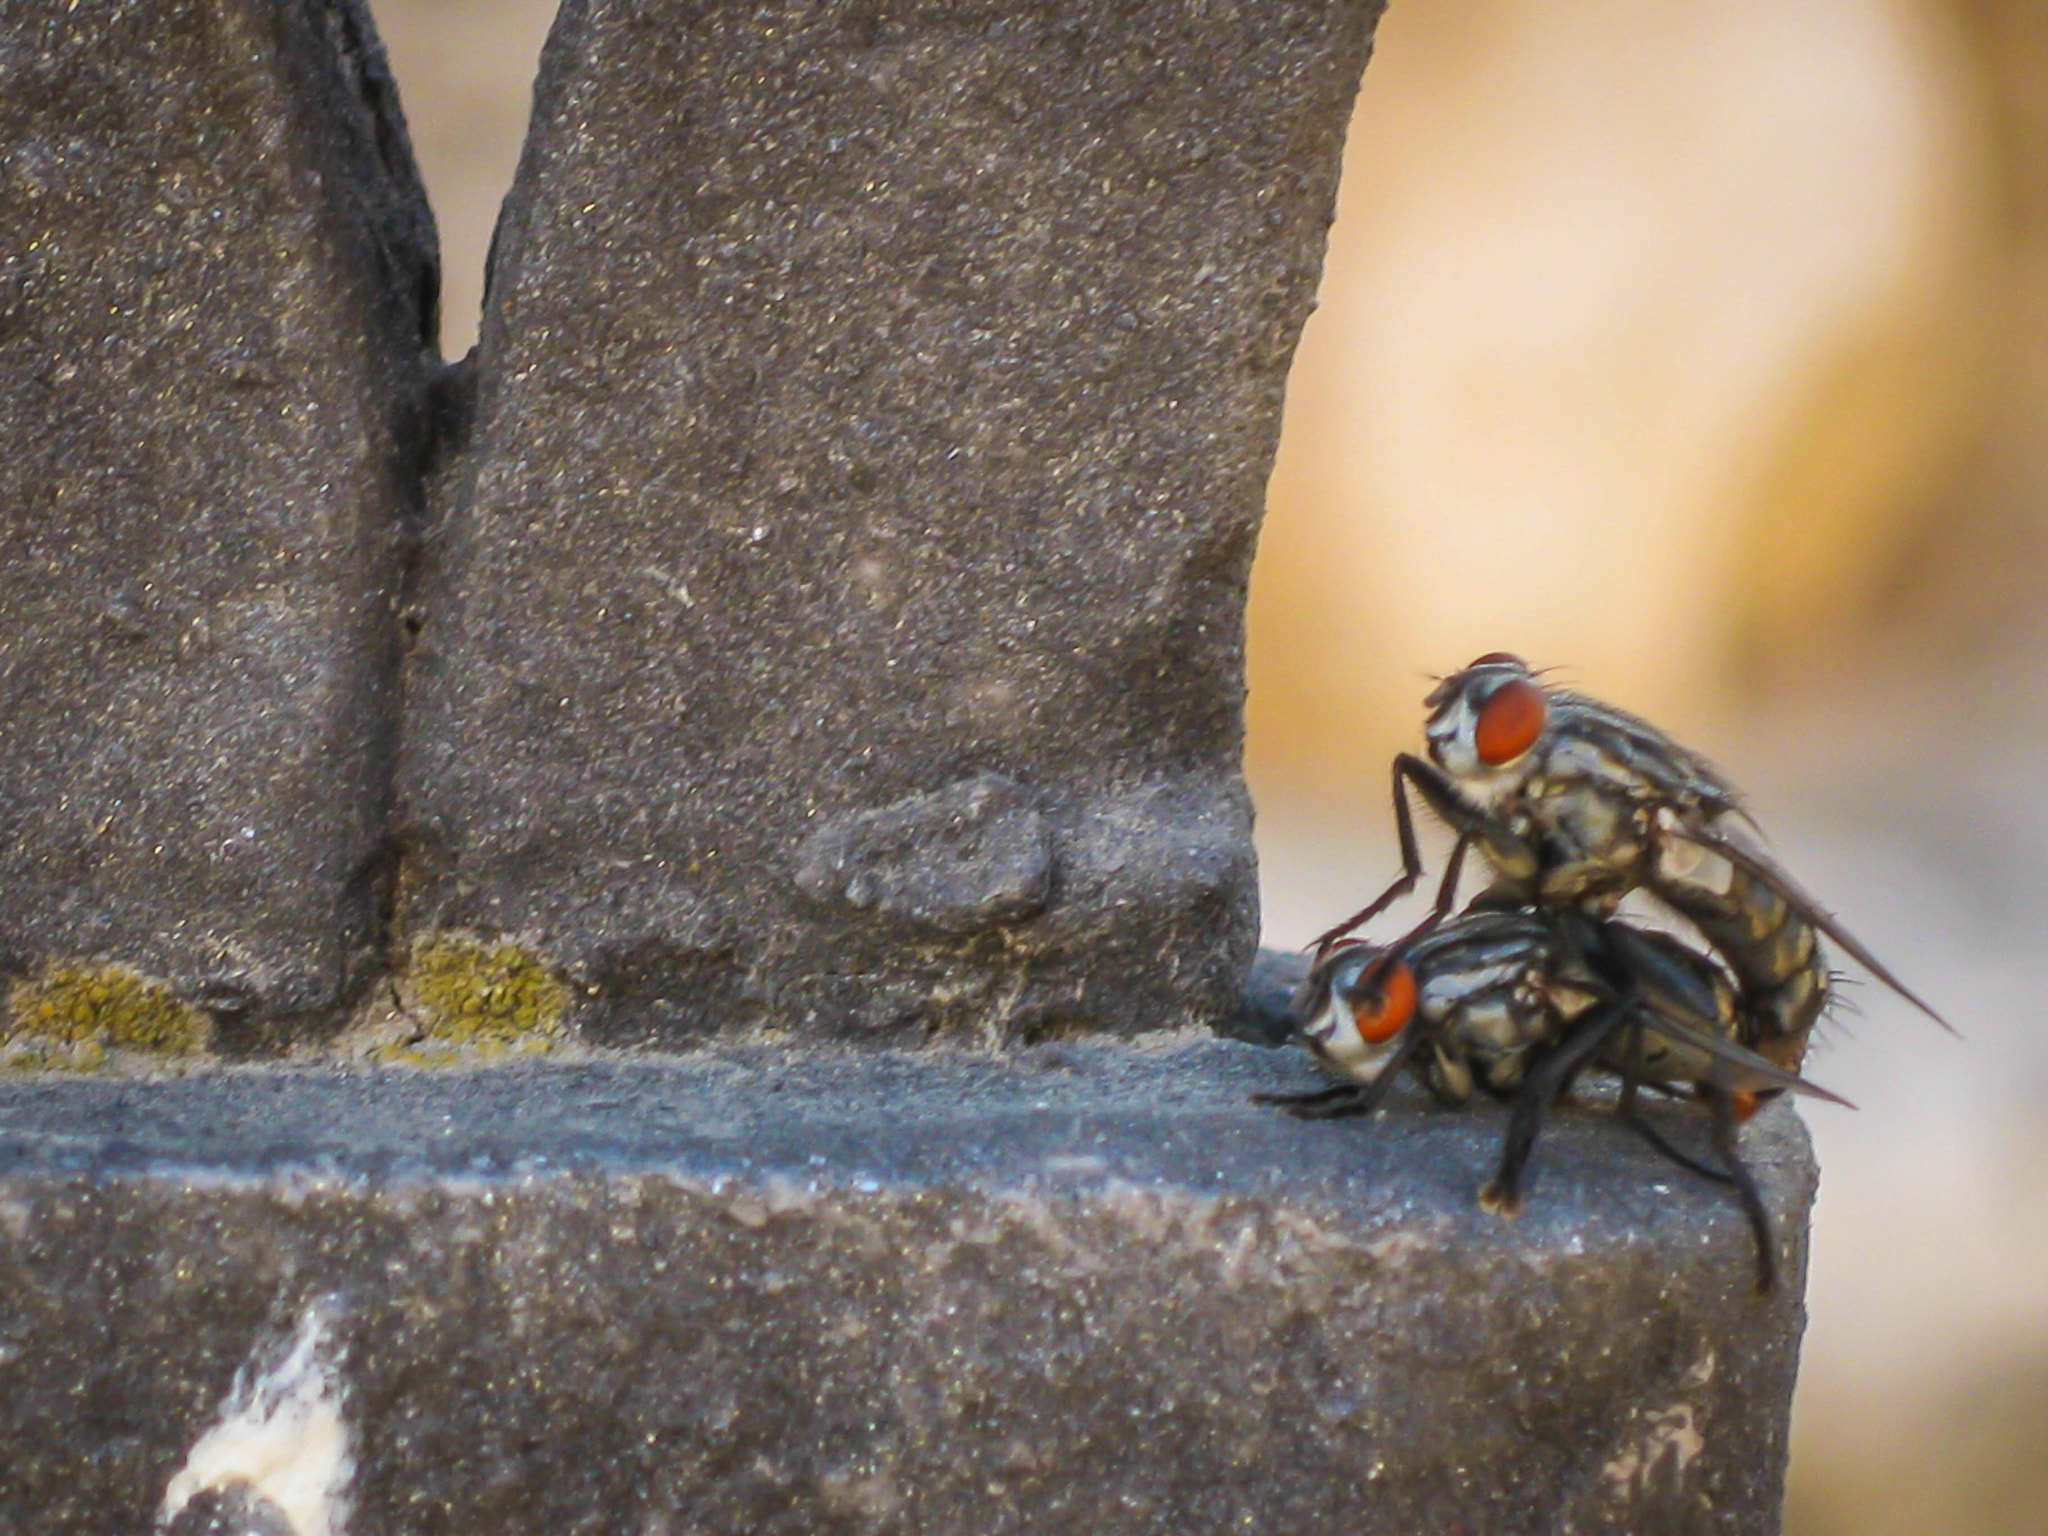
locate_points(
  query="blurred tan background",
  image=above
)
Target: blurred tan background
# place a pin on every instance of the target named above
(1700, 347)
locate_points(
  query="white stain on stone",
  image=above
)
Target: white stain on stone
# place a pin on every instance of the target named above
(1398, 1247)
(1670, 1438)
(281, 1433)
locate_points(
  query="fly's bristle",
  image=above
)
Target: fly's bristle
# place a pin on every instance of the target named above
(1827, 1033)
(1839, 1010)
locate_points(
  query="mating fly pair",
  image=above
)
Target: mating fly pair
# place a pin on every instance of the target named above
(1575, 805)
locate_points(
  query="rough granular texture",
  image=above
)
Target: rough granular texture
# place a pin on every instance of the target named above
(1085, 1287)
(836, 615)
(215, 283)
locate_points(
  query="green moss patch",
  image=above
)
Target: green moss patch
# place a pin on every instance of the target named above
(466, 990)
(71, 1015)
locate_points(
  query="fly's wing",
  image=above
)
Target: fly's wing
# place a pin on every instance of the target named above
(1682, 1004)
(1767, 872)
(1676, 982)
(1733, 1067)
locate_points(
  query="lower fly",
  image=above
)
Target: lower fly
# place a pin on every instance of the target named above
(1517, 1004)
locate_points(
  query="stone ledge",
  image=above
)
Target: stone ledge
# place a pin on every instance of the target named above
(1085, 1287)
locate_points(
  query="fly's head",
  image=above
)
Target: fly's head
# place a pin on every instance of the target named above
(1354, 1007)
(1485, 723)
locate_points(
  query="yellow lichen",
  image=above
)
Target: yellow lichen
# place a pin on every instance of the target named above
(70, 1015)
(491, 993)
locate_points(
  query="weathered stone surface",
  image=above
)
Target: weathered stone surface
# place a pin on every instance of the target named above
(1263, 1016)
(216, 281)
(874, 402)
(1084, 1287)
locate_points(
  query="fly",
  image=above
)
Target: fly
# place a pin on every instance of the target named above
(1575, 804)
(1517, 1003)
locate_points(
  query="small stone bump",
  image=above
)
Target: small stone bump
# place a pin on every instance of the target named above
(971, 857)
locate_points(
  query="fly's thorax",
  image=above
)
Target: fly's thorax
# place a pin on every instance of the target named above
(1636, 756)
(1567, 997)
(1504, 1019)
(1505, 842)
(1590, 820)
(1478, 972)
(1492, 1036)
(1503, 1070)
(1484, 993)
(1445, 991)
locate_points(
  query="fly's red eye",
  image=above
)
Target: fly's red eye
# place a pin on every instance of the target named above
(1510, 722)
(1384, 1005)
(1499, 659)
(1746, 1102)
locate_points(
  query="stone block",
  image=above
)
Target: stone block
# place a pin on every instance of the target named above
(1080, 1287)
(215, 292)
(836, 615)
(1263, 1014)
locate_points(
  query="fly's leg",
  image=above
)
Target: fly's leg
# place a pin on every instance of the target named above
(1540, 1089)
(1411, 861)
(1657, 1139)
(1341, 1103)
(1466, 820)
(1446, 896)
(1348, 1100)
(1723, 1106)
(1632, 1062)
(1306, 1106)
(1685, 1160)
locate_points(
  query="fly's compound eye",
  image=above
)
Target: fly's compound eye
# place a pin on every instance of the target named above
(1510, 721)
(1384, 1002)
(1499, 659)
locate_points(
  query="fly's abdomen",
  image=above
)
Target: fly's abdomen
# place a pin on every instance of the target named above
(1772, 950)
(1689, 987)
